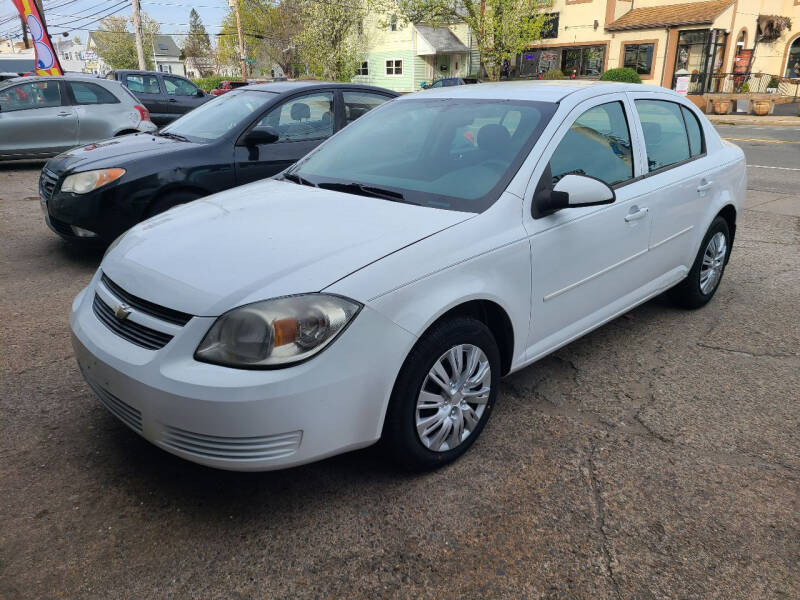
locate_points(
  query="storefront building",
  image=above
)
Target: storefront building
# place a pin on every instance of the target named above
(700, 39)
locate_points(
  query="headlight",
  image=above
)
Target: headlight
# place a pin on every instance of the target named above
(82, 183)
(276, 333)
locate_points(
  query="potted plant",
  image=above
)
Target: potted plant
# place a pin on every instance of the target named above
(772, 86)
(721, 107)
(761, 107)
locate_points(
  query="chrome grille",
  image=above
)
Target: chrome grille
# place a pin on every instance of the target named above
(149, 308)
(124, 412)
(233, 448)
(131, 331)
(47, 184)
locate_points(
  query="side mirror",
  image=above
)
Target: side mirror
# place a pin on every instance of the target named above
(200, 93)
(262, 135)
(571, 191)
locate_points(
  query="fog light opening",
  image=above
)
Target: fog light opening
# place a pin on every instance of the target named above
(82, 233)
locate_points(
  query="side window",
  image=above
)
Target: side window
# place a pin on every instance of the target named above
(598, 144)
(357, 104)
(91, 93)
(696, 142)
(143, 84)
(664, 133)
(179, 87)
(37, 94)
(305, 118)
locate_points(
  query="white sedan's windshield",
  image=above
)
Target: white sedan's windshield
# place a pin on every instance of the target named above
(214, 119)
(449, 153)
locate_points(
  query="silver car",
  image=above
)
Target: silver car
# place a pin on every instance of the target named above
(43, 116)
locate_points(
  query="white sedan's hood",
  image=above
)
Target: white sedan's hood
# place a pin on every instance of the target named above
(263, 240)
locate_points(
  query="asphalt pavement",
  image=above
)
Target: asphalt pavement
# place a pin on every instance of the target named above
(657, 457)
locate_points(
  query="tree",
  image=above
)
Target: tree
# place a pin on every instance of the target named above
(502, 28)
(116, 45)
(197, 46)
(332, 42)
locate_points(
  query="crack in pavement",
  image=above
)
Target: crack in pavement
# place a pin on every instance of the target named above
(600, 519)
(747, 353)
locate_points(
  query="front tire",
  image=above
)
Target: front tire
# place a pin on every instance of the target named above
(706, 273)
(443, 396)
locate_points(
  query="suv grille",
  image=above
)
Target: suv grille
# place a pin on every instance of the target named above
(47, 184)
(149, 308)
(131, 331)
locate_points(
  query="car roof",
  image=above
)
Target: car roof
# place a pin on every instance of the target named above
(282, 87)
(543, 91)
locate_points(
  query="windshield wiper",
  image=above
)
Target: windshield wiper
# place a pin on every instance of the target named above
(297, 179)
(366, 190)
(174, 136)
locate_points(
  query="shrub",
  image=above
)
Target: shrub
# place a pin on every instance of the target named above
(553, 74)
(773, 82)
(745, 89)
(624, 75)
(209, 83)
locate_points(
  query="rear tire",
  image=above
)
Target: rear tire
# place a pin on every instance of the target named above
(443, 395)
(170, 200)
(706, 273)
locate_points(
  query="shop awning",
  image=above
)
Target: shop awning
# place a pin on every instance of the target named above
(699, 13)
(440, 41)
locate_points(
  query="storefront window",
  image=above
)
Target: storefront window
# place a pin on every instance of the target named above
(580, 61)
(793, 61)
(639, 57)
(700, 54)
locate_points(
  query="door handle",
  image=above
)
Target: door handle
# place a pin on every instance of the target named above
(705, 186)
(635, 215)
(65, 114)
(172, 100)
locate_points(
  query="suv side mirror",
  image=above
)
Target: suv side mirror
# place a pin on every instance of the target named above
(571, 191)
(261, 135)
(200, 93)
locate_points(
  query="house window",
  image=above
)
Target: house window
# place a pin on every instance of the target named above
(364, 68)
(550, 30)
(639, 57)
(165, 68)
(394, 67)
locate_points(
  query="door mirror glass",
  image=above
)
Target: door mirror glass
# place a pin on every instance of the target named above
(265, 134)
(571, 191)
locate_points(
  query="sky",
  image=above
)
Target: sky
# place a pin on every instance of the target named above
(76, 16)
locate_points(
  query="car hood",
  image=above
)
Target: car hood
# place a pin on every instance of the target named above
(263, 240)
(114, 152)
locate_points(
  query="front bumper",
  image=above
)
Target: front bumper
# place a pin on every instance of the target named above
(246, 420)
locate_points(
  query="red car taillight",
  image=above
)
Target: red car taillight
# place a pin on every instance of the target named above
(145, 114)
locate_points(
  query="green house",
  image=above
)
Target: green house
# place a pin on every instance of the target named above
(402, 57)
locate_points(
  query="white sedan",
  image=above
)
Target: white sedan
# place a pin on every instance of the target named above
(382, 286)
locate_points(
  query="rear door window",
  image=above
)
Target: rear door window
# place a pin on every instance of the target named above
(176, 86)
(665, 137)
(142, 83)
(696, 141)
(357, 104)
(91, 93)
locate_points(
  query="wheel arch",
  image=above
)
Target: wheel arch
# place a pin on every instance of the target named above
(492, 315)
(176, 188)
(728, 212)
(122, 132)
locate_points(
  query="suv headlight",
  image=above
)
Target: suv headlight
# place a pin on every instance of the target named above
(276, 333)
(87, 181)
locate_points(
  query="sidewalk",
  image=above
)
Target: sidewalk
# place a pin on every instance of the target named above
(767, 121)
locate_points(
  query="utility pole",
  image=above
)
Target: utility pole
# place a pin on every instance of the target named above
(235, 5)
(24, 34)
(137, 34)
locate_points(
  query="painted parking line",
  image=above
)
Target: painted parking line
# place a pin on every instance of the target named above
(760, 140)
(777, 168)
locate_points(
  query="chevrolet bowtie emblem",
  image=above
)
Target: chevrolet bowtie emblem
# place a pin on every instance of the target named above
(122, 311)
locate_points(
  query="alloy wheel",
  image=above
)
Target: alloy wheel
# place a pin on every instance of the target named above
(453, 397)
(713, 262)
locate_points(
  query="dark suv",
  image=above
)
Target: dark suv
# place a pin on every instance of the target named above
(166, 96)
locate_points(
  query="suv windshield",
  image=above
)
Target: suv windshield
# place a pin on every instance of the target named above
(212, 120)
(457, 154)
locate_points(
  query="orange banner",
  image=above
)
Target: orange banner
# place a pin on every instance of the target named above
(46, 59)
